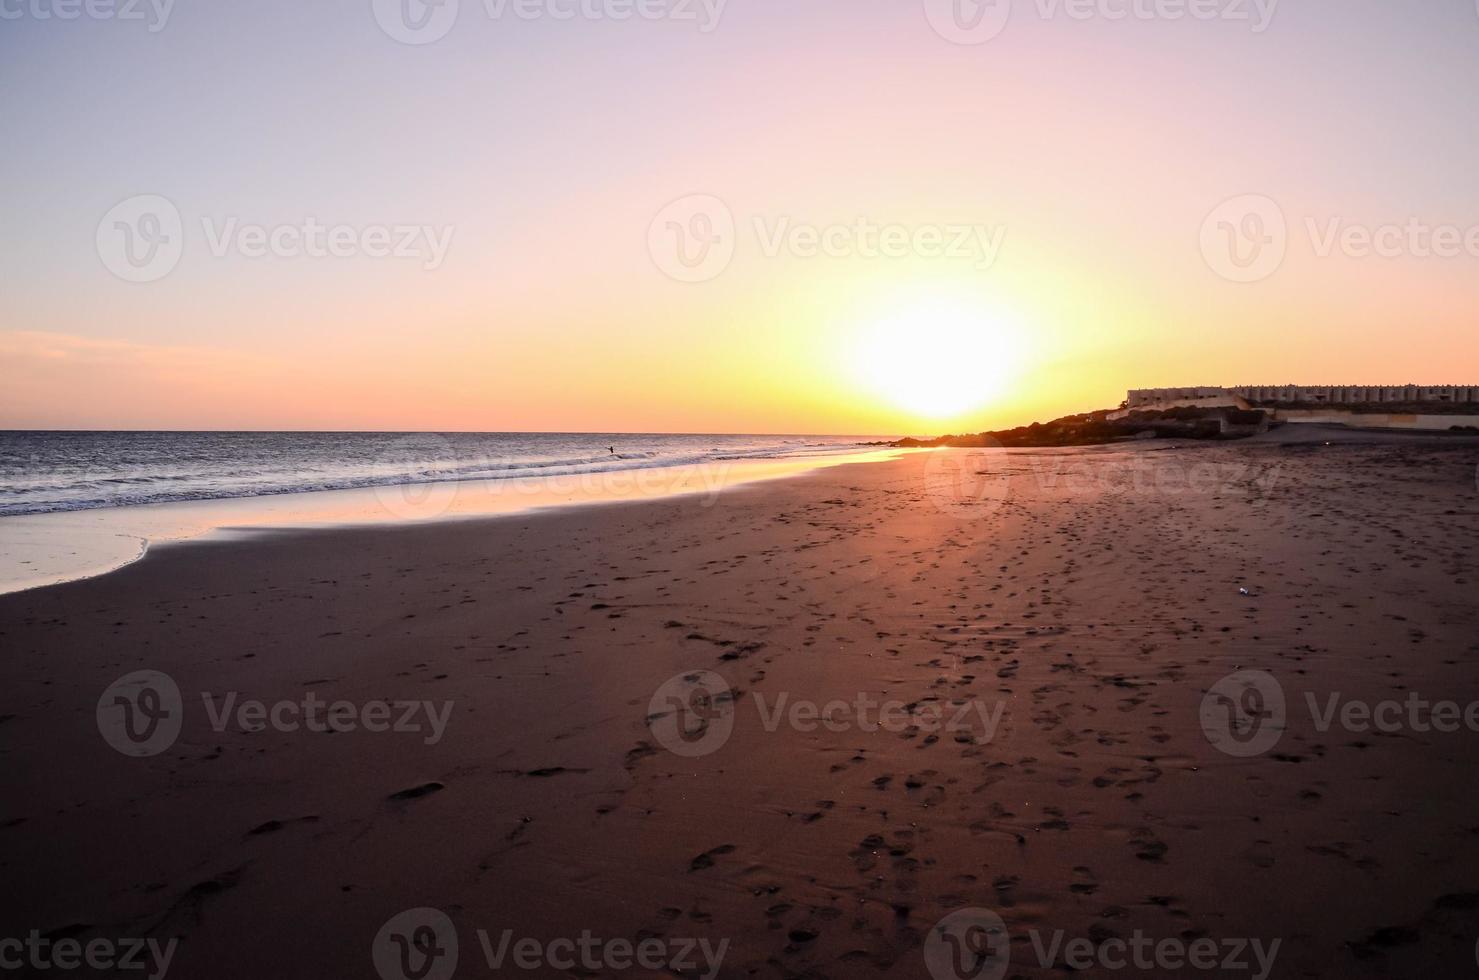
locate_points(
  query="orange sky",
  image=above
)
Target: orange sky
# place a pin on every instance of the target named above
(1093, 156)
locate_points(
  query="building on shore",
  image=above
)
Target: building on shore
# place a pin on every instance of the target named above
(1256, 396)
(1434, 407)
(1153, 399)
(1358, 395)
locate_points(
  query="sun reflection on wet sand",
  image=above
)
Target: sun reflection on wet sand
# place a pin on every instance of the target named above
(45, 549)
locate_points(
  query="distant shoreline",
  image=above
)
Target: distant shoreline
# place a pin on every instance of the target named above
(1107, 426)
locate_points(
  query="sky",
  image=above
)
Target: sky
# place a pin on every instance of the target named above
(830, 216)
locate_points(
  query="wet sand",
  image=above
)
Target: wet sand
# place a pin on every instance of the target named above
(1063, 613)
(63, 546)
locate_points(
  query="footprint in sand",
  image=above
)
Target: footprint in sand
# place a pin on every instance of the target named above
(706, 859)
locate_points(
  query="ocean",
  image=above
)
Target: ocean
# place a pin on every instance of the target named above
(50, 472)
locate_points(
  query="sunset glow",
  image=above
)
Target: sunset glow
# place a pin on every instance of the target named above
(470, 234)
(938, 360)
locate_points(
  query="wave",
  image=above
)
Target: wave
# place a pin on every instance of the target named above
(99, 476)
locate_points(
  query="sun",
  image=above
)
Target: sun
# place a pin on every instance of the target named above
(938, 359)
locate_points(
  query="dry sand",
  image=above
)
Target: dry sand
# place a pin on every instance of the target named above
(1090, 597)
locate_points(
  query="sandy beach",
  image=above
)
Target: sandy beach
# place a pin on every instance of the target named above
(783, 731)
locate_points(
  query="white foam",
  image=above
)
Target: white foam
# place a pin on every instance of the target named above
(45, 549)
